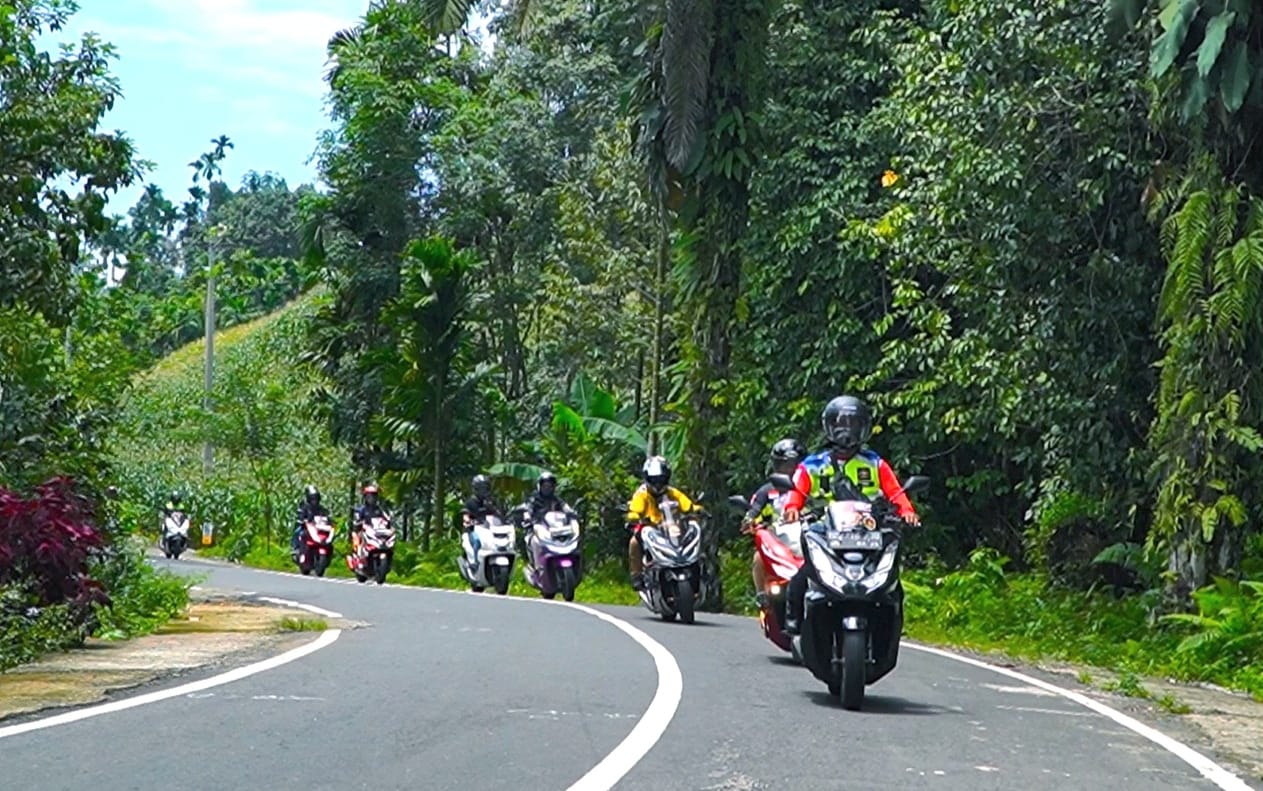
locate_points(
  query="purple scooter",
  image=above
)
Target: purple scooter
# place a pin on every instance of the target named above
(553, 561)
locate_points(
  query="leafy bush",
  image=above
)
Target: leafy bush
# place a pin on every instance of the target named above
(980, 606)
(45, 543)
(141, 597)
(27, 630)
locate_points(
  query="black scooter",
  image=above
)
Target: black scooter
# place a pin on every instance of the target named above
(853, 619)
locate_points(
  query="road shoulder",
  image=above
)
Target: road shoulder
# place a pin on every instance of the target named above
(219, 631)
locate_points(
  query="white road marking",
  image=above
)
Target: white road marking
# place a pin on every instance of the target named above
(1207, 768)
(606, 774)
(1019, 690)
(1035, 710)
(326, 638)
(301, 606)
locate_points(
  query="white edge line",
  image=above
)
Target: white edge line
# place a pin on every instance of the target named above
(326, 638)
(301, 606)
(651, 725)
(1207, 768)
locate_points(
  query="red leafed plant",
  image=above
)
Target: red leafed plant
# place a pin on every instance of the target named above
(45, 543)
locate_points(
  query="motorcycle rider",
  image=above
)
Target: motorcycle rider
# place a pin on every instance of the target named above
(643, 507)
(848, 424)
(308, 509)
(544, 499)
(478, 507)
(364, 513)
(767, 504)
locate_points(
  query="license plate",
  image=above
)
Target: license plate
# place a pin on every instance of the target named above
(855, 539)
(500, 561)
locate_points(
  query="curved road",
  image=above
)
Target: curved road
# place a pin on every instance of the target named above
(448, 690)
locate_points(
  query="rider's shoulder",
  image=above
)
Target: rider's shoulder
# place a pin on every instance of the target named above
(818, 459)
(869, 455)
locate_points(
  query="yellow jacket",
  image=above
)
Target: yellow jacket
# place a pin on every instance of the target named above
(644, 505)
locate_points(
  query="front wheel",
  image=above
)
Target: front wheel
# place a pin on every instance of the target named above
(854, 659)
(322, 564)
(383, 568)
(684, 600)
(500, 579)
(567, 581)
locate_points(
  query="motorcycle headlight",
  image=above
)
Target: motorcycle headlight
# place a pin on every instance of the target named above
(822, 561)
(882, 573)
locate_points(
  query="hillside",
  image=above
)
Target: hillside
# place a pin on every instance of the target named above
(269, 441)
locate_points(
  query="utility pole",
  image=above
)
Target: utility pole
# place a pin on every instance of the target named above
(208, 451)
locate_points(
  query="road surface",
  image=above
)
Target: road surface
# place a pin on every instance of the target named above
(445, 690)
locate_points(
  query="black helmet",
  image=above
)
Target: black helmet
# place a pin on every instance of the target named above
(657, 474)
(370, 492)
(481, 485)
(847, 423)
(787, 453)
(311, 494)
(176, 499)
(546, 479)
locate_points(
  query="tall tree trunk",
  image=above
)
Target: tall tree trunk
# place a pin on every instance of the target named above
(659, 317)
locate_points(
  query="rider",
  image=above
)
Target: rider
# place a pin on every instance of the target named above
(643, 508)
(768, 502)
(478, 507)
(308, 509)
(365, 512)
(848, 424)
(545, 499)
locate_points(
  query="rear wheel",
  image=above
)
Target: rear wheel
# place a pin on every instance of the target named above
(684, 600)
(854, 659)
(567, 581)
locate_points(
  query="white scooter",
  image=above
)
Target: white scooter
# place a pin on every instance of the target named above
(175, 534)
(492, 565)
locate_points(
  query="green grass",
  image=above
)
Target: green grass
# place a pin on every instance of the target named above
(290, 624)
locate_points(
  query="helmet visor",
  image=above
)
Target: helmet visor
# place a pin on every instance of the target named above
(848, 430)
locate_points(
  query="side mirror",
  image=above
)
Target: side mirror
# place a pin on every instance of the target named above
(782, 482)
(916, 483)
(738, 502)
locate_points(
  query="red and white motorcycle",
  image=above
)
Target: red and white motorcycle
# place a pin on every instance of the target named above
(315, 549)
(373, 552)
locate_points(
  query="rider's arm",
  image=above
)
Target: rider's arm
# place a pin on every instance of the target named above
(686, 505)
(802, 487)
(893, 490)
(758, 501)
(638, 505)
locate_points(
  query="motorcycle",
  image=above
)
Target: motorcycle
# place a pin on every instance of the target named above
(673, 569)
(778, 547)
(492, 565)
(853, 617)
(316, 547)
(553, 562)
(375, 551)
(175, 534)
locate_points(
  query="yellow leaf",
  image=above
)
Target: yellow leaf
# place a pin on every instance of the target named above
(889, 178)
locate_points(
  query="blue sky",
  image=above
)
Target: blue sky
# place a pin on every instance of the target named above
(191, 70)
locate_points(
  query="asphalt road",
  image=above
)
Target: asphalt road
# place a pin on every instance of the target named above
(446, 690)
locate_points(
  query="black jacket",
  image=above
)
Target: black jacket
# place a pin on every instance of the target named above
(478, 508)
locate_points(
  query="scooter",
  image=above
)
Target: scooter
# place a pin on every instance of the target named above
(853, 617)
(673, 569)
(175, 534)
(316, 547)
(553, 561)
(778, 547)
(492, 565)
(372, 557)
